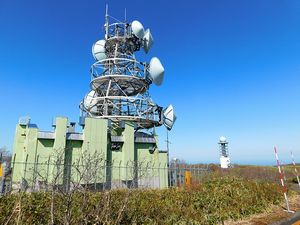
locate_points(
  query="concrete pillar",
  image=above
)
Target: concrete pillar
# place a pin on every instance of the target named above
(18, 152)
(95, 137)
(30, 151)
(128, 152)
(95, 143)
(61, 124)
(163, 176)
(58, 169)
(24, 152)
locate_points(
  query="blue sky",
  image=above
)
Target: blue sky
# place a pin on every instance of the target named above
(232, 69)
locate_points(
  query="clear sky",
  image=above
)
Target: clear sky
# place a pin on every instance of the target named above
(232, 69)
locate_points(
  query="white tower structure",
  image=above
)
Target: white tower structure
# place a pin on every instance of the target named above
(224, 156)
(120, 83)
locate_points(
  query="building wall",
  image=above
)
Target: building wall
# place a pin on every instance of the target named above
(66, 160)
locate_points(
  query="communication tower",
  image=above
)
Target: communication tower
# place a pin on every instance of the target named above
(120, 83)
(224, 156)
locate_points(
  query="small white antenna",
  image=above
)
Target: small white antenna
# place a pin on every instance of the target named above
(106, 22)
(125, 18)
(106, 12)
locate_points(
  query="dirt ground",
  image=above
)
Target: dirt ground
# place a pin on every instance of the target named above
(273, 214)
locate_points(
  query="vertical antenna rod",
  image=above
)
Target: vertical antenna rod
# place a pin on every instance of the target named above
(168, 143)
(106, 22)
(125, 18)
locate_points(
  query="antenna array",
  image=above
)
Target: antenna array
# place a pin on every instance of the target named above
(120, 83)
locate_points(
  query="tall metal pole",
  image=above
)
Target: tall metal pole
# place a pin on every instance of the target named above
(2, 175)
(168, 157)
(2, 172)
(282, 182)
(295, 168)
(168, 146)
(283, 171)
(125, 19)
(106, 22)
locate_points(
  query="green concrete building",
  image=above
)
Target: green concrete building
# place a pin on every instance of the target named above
(101, 156)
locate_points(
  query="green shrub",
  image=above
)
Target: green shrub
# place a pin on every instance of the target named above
(210, 203)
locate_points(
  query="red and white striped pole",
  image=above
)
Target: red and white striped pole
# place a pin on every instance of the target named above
(282, 182)
(295, 168)
(283, 171)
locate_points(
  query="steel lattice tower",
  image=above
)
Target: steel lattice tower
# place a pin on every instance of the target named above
(120, 83)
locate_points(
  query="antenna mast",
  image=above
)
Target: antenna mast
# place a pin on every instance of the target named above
(125, 18)
(120, 83)
(106, 22)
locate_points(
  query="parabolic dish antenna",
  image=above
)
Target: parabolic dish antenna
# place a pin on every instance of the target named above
(223, 139)
(156, 71)
(137, 29)
(98, 50)
(148, 40)
(169, 117)
(90, 101)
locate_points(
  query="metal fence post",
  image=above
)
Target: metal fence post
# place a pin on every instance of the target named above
(166, 175)
(153, 175)
(126, 172)
(175, 174)
(2, 176)
(199, 174)
(35, 171)
(193, 174)
(147, 176)
(24, 181)
(47, 173)
(104, 175)
(158, 170)
(120, 181)
(180, 173)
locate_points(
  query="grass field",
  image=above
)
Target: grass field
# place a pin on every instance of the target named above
(259, 173)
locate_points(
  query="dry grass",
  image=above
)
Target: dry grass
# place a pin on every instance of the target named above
(269, 174)
(272, 214)
(258, 173)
